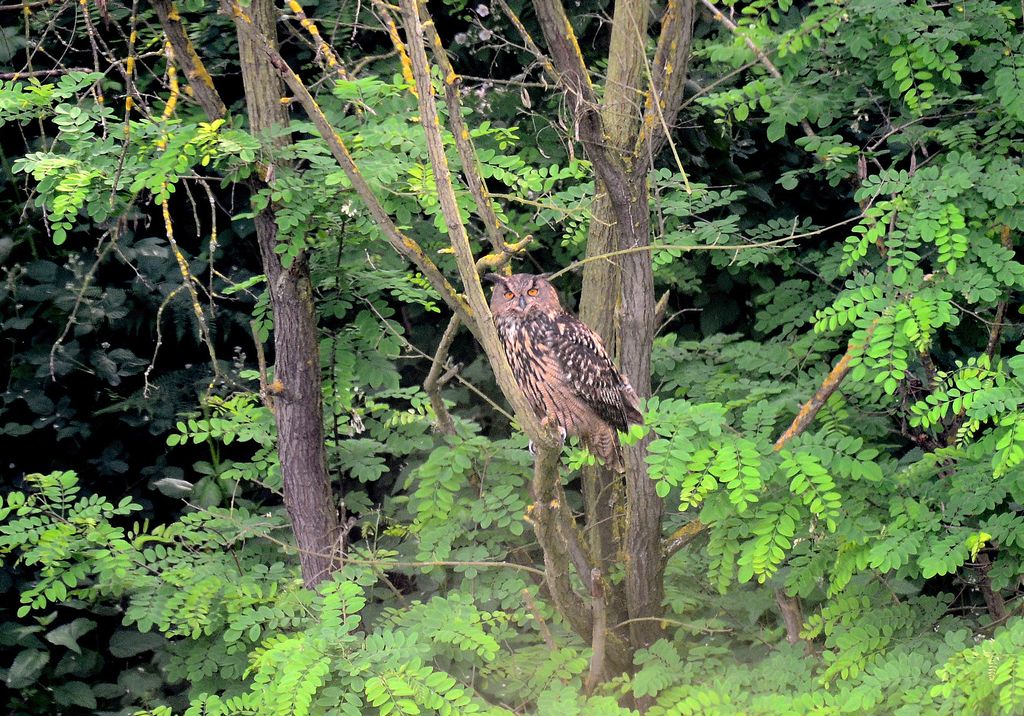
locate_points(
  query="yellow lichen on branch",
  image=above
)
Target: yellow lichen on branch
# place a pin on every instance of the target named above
(200, 81)
(172, 80)
(405, 246)
(322, 48)
(403, 54)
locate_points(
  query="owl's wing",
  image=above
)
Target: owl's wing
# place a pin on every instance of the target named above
(588, 369)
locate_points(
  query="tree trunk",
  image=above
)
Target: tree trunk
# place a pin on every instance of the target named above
(618, 303)
(296, 390)
(621, 136)
(644, 564)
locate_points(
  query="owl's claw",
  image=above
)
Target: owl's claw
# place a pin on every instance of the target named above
(562, 435)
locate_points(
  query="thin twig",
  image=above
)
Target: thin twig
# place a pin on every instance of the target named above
(86, 281)
(774, 243)
(146, 387)
(15, 76)
(542, 624)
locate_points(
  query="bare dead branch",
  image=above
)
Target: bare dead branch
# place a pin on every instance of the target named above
(805, 416)
(15, 76)
(146, 387)
(528, 40)
(101, 253)
(325, 52)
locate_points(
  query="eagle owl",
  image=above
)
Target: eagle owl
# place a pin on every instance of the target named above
(562, 366)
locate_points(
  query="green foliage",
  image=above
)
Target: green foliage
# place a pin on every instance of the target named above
(864, 197)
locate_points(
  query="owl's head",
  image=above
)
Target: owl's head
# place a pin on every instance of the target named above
(521, 293)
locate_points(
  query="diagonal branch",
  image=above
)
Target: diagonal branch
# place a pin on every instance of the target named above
(485, 331)
(804, 417)
(531, 45)
(186, 57)
(463, 140)
(403, 244)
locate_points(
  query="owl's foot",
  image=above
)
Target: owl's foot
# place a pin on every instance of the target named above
(562, 435)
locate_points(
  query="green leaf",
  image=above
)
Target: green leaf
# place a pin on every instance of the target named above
(69, 634)
(74, 693)
(126, 643)
(26, 668)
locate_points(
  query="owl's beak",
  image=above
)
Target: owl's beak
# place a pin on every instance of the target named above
(522, 303)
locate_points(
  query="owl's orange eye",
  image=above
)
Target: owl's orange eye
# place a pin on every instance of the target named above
(509, 294)
(532, 292)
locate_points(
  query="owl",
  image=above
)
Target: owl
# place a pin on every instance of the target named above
(562, 366)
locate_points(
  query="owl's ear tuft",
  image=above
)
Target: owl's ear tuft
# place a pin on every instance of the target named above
(494, 278)
(547, 275)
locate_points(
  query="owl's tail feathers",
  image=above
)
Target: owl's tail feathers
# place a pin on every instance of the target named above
(605, 445)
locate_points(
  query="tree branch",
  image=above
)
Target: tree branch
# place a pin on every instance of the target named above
(573, 77)
(186, 57)
(403, 244)
(805, 416)
(464, 142)
(668, 78)
(758, 52)
(432, 385)
(485, 331)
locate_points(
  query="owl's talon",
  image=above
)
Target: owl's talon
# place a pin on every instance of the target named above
(562, 435)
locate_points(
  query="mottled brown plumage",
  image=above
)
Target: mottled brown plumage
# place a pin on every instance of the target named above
(562, 366)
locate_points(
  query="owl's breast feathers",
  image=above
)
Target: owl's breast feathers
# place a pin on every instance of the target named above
(556, 347)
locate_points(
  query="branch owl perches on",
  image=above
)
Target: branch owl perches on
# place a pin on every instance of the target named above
(562, 366)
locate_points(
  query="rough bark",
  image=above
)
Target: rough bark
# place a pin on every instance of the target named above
(618, 295)
(644, 563)
(185, 56)
(604, 491)
(298, 406)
